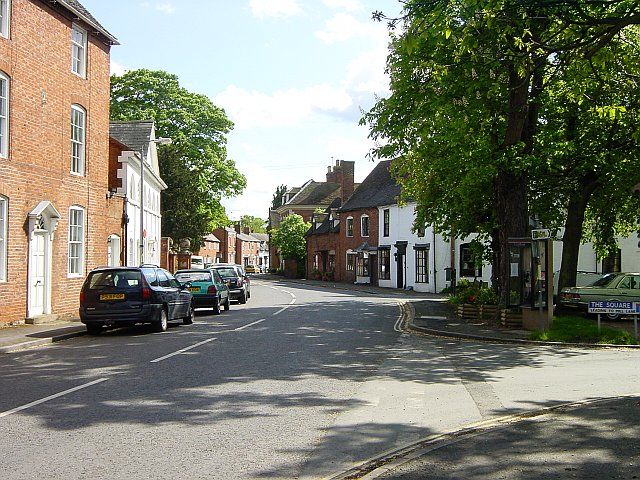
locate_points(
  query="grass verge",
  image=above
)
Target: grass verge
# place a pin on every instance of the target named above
(576, 329)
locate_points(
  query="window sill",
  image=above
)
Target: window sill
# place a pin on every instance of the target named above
(72, 276)
(83, 77)
(75, 174)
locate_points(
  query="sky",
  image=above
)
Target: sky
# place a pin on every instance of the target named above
(293, 75)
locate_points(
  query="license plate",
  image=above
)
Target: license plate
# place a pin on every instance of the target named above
(112, 296)
(194, 289)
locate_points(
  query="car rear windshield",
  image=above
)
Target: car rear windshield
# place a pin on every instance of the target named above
(119, 279)
(193, 277)
(229, 272)
(604, 281)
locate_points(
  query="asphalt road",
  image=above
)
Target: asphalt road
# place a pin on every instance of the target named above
(297, 383)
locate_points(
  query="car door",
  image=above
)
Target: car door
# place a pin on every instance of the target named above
(623, 289)
(169, 294)
(183, 296)
(221, 286)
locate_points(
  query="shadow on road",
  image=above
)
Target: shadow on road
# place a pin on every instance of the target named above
(266, 371)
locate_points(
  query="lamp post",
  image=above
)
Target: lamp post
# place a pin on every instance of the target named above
(158, 141)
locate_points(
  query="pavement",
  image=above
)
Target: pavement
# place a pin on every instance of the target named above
(21, 337)
(595, 439)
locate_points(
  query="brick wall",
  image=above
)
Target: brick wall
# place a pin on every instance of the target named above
(37, 58)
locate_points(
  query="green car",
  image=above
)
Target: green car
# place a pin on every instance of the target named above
(622, 287)
(207, 287)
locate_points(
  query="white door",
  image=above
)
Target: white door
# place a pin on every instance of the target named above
(38, 274)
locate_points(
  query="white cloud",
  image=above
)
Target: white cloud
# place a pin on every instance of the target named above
(275, 8)
(166, 7)
(283, 108)
(117, 69)
(342, 27)
(349, 5)
(366, 73)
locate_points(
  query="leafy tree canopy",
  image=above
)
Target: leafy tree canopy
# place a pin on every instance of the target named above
(195, 167)
(471, 83)
(289, 238)
(256, 224)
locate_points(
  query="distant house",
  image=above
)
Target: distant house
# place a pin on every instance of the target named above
(210, 250)
(228, 244)
(131, 142)
(312, 196)
(263, 249)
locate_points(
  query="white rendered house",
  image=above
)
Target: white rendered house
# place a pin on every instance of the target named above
(139, 196)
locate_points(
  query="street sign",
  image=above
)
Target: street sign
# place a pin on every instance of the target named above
(614, 307)
(540, 234)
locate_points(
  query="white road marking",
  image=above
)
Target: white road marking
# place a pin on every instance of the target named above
(182, 350)
(293, 300)
(51, 397)
(248, 325)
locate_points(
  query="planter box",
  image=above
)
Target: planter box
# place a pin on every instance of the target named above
(511, 319)
(477, 312)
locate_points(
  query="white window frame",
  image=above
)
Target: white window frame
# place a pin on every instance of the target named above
(346, 227)
(362, 219)
(78, 140)
(5, 85)
(76, 237)
(4, 228)
(5, 18)
(79, 51)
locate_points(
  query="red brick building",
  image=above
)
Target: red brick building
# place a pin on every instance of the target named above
(210, 251)
(312, 196)
(342, 243)
(228, 242)
(56, 213)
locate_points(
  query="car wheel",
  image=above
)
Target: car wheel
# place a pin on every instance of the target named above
(94, 328)
(162, 323)
(227, 304)
(243, 297)
(216, 307)
(188, 320)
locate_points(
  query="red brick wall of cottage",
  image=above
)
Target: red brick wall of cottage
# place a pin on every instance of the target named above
(351, 243)
(37, 59)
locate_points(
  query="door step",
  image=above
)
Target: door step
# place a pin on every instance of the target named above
(42, 319)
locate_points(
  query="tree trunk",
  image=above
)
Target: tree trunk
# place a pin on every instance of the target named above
(511, 203)
(573, 234)
(513, 218)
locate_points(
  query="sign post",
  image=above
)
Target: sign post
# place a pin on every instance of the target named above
(615, 306)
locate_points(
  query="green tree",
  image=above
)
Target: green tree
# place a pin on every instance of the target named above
(277, 196)
(195, 167)
(467, 82)
(256, 224)
(289, 238)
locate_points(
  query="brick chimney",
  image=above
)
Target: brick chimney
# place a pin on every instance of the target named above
(331, 175)
(345, 172)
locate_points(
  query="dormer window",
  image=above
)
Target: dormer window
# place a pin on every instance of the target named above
(78, 51)
(5, 12)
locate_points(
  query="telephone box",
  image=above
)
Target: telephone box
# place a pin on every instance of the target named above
(531, 281)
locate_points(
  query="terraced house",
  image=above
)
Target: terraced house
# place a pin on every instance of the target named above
(55, 215)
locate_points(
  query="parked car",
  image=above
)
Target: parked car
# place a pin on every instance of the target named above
(583, 279)
(624, 287)
(209, 290)
(125, 296)
(236, 279)
(252, 269)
